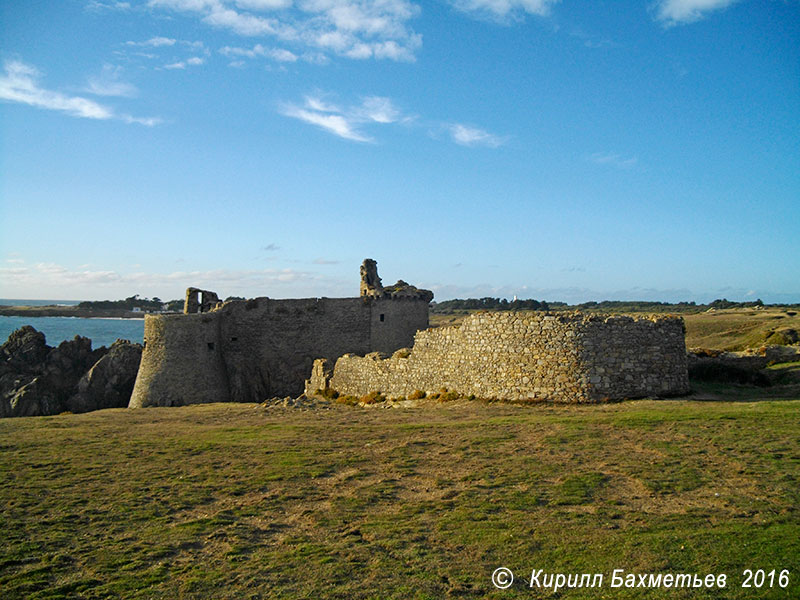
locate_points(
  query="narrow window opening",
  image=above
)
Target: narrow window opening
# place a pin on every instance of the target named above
(234, 339)
(210, 345)
(381, 317)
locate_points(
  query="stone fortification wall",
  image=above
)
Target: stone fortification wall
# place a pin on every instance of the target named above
(250, 350)
(393, 323)
(181, 363)
(268, 346)
(527, 356)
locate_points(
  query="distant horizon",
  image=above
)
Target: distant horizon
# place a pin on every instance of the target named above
(46, 302)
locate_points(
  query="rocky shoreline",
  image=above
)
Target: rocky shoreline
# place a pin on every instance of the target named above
(37, 379)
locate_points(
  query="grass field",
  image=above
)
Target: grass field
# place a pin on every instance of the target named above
(243, 501)
(738, 329)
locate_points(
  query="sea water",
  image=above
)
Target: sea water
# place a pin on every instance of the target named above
(102, 332)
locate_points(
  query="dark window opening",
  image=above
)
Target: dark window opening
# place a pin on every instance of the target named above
(381, 317)
(144, 344)
(210, 345)
(234, 339)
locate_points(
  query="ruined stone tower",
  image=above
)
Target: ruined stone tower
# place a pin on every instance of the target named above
(250, 350)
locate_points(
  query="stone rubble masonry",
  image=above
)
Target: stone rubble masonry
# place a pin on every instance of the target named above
(565, 357)
(251, 350)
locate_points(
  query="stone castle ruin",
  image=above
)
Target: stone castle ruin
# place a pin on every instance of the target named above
(250, 350)
(570, 357)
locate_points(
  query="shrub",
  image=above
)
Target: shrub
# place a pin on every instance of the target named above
(373, 398)
(416, 395)
(349, 400)
(448, 396)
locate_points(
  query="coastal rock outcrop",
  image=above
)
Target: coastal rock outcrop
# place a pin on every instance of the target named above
(24, 349)
(37, 379)
(109, 382)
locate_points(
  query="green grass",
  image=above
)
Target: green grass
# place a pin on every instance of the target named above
(240, 501)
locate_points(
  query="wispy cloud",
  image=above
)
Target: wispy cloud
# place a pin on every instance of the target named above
(345, 122)
(504, 10)
(677, 12)
(349, 122)
(154, 42)
(97, 5)
(194, 61)
(352, 28)
(466, 135)
(20, 83)
(278, 54)
(614, 160)
(270, 247)
(51, 277)
(110, 83)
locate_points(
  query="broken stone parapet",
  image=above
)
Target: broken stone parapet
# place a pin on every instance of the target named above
(200, 301)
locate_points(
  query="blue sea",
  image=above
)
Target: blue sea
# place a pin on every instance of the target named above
(102, 332)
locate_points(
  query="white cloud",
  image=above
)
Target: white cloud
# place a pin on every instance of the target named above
(20, 84)
(282, 55)
(146, 121)
(243, 24)
(379, 109)
(193, 61)
(154, 42)
(357, 29)
(345, 122)
(45, 279)
(109, 83)
(615, 160)
(503, 10)
(472, 136)
(335, 124)
(263, 5)
(675, 12)
(278, 54)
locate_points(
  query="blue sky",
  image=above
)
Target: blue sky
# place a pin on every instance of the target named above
(557, 150)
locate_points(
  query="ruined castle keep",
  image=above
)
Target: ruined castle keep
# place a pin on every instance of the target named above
(250, 350)
(569, 357)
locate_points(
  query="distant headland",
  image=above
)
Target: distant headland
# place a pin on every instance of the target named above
(133, 307)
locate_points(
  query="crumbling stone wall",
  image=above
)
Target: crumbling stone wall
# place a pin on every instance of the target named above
(251, 350)
(198, 300)
(523, 356)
